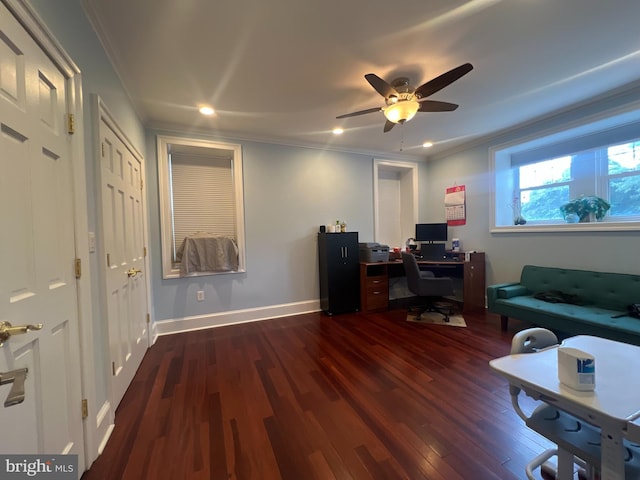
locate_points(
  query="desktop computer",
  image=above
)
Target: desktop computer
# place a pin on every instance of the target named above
(433, 251)
(432, 238)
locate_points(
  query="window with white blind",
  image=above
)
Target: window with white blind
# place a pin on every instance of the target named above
(201, 195)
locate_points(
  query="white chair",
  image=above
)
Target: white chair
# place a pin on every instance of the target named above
(577, 441)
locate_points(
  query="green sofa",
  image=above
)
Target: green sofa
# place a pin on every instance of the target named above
(595, 299)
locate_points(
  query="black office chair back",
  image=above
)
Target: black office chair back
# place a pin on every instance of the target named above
(412, 271)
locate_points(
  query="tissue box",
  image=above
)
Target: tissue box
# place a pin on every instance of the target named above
(576, 369)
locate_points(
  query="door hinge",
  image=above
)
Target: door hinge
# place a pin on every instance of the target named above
(141, 184)
(113, 368)
(78, 267)
(108, 259)
(85, 408)
(102, 148)
(148, 318)
(71, 123)
(144, 251)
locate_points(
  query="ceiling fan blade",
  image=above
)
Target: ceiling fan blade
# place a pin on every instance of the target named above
(361, 112)
(438, 83)
(434, 106)
(388, 126)
(381, 86)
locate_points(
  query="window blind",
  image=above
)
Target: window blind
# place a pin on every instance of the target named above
(202, 196)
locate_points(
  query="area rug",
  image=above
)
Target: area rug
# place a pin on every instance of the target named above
(437, 319)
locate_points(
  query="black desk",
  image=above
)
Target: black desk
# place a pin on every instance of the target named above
(466, 274)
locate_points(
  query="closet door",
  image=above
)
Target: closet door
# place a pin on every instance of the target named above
(40, 396)
(123, 252)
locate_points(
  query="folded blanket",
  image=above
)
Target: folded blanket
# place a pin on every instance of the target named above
(556, 296)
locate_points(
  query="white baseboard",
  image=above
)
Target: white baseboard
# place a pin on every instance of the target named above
(153, 333)
(198, 322)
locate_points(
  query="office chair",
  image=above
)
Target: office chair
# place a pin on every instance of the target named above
(426, 285)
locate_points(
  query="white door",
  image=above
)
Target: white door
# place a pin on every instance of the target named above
(37, 249)
(124, 254)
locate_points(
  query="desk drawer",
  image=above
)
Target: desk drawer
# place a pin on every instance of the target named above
(380, 281)
(374, 287)
(377, 298)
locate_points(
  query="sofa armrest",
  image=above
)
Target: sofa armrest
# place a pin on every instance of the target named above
(511, 291)
(504, 290)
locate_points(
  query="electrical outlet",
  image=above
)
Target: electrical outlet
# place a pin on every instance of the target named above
(200, 295)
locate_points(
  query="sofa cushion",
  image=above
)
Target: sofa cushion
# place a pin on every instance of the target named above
(560, 312)
(612, 291)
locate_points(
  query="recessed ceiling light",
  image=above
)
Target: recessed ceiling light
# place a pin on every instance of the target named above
(338, 131)
(207, 110)
(427, 144)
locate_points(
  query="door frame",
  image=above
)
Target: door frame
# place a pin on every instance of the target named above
(408, 214)
(34, 25)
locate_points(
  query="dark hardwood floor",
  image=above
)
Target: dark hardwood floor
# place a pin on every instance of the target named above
(362, 396)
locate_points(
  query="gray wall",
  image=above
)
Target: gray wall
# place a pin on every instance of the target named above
(506, 253)
(289, 192)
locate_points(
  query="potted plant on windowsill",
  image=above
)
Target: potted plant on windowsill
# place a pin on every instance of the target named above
(587, 208)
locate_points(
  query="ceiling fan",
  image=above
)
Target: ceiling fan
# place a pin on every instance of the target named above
(403, 102)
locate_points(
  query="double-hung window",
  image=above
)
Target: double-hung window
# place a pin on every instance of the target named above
(201, 198)
(536, 177)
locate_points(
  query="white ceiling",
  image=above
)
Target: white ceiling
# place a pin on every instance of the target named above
(282, 70)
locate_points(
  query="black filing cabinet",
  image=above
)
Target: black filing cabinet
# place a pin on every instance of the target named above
(339, 272)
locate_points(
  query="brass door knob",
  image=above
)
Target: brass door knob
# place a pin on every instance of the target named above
(6, 330)
(132, 272)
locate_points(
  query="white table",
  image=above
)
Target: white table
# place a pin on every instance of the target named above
(614, 406)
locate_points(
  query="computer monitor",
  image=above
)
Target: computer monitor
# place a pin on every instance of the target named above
(431, 232)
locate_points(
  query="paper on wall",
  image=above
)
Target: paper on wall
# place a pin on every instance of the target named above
(454, 205)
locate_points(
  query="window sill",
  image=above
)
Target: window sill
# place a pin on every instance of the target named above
(569, 227)
(175, 273)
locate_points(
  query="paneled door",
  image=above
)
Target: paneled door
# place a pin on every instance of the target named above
(40, 413)
(123, 241)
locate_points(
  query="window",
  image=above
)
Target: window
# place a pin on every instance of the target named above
(536, 177)
(623, 179)
(201, 200)
(201, 192)
(542, 187)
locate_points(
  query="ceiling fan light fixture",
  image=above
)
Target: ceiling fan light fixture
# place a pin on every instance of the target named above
(206, 110)
(402, 111)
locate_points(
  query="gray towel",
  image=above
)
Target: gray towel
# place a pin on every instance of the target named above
(205, 252)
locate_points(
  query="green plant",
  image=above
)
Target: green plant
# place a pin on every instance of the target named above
(585, 205)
